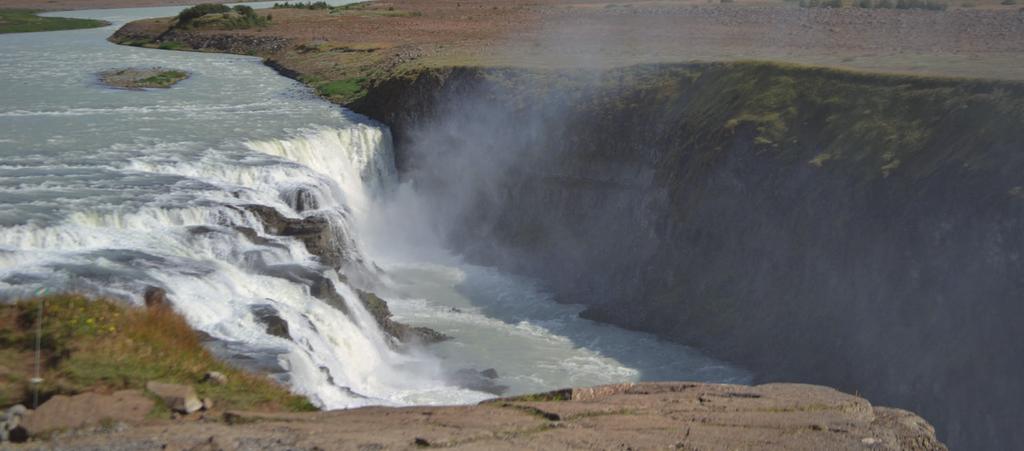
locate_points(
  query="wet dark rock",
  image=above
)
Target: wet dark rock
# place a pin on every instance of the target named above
(255, 238)
(314, 231)
(403, 332)
(302, 199)
(156, 297)
(267, 315)
(490, 373)
(324, 289)
(477, 380)
(320, 240)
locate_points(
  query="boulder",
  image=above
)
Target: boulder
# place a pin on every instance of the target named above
(215, 377)
(403, 332)
(85, 409)
(267, 315)
(314, 231)
(177, 397)
(477, 380)
(17, 409)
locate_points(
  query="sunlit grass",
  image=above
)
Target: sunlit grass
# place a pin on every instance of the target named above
(101, 345)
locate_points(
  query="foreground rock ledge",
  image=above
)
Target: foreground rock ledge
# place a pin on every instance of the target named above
(671, 415)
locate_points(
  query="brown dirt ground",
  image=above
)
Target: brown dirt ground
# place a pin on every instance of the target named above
(68, 5)
(642, 416)
(987, 43)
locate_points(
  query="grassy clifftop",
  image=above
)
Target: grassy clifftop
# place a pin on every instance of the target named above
(101, 345)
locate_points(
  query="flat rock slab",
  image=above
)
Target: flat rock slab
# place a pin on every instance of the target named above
(177, 397)
(87, 409)
(626, 416)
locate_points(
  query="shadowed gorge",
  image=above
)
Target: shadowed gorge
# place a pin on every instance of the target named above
(858, 231)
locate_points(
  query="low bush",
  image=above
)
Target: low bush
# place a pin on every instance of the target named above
(187, 15)
(301, 5)
(210, 15)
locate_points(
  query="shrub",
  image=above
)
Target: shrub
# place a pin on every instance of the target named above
(209, 15)
(865, 4)
(244, 10)
(189, 14)
(1009, 2)
(301, 5)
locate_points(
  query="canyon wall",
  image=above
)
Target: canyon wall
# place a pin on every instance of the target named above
(853, 230)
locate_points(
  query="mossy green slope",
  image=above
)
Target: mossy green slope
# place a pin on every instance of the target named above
(27, 20)
(101, 345)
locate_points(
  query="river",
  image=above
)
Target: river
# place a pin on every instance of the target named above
(106, 192)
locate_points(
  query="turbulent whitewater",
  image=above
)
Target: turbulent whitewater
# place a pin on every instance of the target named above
(108, 192)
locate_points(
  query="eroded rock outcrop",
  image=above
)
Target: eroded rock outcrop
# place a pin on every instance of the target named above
(334, 250)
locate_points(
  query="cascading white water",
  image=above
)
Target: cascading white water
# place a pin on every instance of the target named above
(107, 192)
(195, 250)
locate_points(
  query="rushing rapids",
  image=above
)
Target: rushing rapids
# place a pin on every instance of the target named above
(252, 203)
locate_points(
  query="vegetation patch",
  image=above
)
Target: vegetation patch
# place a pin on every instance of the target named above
(155, 77)
(343, 90)
(26, 20)
(101, 345)
(930, 5)
(301, 5)
(221, 17)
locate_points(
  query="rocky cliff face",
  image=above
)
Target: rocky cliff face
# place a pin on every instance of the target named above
(859, 231)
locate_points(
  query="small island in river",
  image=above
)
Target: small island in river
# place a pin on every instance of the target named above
(139, 78)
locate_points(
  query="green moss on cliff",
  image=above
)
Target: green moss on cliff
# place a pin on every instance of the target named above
(343, 91)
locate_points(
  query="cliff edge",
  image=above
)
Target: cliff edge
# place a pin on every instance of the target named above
(673, 415)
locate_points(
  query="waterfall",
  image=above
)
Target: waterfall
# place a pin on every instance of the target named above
(223, 268)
